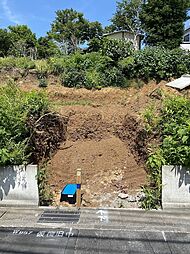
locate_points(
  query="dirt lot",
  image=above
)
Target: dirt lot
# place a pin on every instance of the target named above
(105, 138)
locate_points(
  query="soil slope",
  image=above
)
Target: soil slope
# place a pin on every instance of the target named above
(105, 138)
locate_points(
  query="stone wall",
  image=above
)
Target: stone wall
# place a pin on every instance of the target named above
(175, 187)
(18, 186)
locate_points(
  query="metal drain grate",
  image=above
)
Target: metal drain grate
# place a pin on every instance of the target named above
(59, 217)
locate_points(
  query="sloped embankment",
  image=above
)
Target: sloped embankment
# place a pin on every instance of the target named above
(106, 139)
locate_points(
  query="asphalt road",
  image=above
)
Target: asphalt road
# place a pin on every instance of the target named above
(43, 231)
(83, 241)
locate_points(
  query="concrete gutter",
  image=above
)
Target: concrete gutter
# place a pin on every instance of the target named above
(117, 219)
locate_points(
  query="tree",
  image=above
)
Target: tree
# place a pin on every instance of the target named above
(70, 29)
(5, 42)
(127, 17)
(46, 48)
(23, 41)
(163, 22)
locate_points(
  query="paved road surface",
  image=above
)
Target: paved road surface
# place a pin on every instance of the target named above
(69, 241)
(96, 231)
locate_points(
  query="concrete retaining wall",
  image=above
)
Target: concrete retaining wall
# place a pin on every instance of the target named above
(18, 186)
(175, 187)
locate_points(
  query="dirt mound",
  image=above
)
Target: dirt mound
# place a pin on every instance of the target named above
(108, 168)
(46, 135)
(133, 133)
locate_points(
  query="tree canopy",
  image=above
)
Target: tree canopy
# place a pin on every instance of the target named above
(70, 29)
(163, 22)
(46, 48)
(5, 42)
(23, 41)
(126, 16)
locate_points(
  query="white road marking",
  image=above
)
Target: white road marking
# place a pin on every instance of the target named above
(103, 215)
(164, 236)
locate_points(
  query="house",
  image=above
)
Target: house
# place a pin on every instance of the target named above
(125, 35)
(186, 40)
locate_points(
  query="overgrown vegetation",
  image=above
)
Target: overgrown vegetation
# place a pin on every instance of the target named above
(172, 125)
(29, 132)
(106, 67)
(45, 193)
(156, 63)
(15, 109)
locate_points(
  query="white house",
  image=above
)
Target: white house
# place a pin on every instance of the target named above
(126, 35)
(186, 40)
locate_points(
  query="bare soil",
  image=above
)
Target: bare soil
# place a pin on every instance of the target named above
(105, 138)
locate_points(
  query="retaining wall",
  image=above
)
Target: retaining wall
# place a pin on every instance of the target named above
(175, 187)
(18, 186)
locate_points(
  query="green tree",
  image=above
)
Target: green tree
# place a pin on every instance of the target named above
(127, 17)
(23, 41)
(5, 42)
(46, 48)
(70, 29)
(163, 22)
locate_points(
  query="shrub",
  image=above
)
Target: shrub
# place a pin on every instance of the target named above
(156, 63)
(91, 70)
(115, 49)
(57, 65)
(15, 108)
(42, 68)
(173, 127)
(23, 63)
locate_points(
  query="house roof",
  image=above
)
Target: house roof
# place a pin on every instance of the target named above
(120, 31)
(187, 30)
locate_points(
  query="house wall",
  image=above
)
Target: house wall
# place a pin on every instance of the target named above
(186, 40)
(185, 46)
(126, 36)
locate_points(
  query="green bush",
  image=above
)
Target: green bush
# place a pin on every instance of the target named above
(173, 128)
(156, 63)
(15, 108)
(57, 65)
(115, 49)
(20, 62)
(42, 69)
(176, 131)
(91, 70)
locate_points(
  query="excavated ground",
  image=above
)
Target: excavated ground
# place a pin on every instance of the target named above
(105, 138)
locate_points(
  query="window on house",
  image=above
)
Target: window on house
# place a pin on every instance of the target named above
(186, 38)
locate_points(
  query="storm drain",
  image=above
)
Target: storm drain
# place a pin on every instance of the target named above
(59, 217)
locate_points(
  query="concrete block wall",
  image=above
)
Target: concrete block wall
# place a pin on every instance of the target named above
(175, 187)
(18, 186)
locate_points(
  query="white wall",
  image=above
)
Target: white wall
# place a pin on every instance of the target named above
(175, 187)
(18, 186)
(185, 46)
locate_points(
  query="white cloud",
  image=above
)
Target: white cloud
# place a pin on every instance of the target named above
(8, 12)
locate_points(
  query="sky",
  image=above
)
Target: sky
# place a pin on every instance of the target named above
(39, 14)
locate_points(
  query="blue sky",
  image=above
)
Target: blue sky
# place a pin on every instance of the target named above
(39, 14)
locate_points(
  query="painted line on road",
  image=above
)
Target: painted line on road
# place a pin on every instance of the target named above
(164, 236)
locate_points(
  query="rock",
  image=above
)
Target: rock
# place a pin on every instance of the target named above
(131, 199)
(123, 195)
(140, 196)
